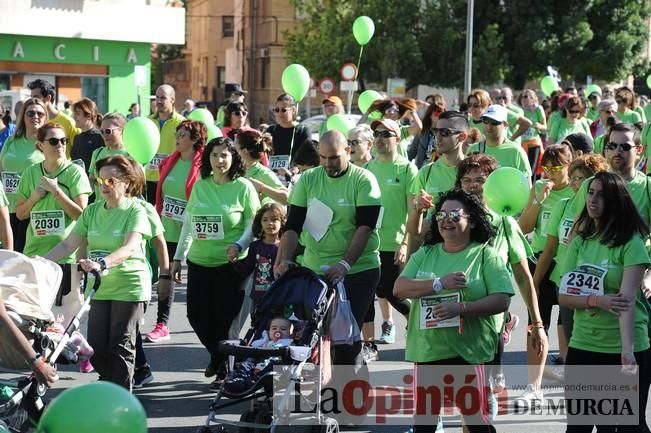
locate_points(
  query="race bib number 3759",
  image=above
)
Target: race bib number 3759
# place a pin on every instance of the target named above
(207, 227)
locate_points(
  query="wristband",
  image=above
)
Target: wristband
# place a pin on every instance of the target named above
(345, 264)
(462, 308)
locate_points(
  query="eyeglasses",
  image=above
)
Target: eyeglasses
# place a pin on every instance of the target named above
(281, 110)
(182, 133)
(488, 121)
(108, 131)
(55, 141)
(469, 180)
(108, 182)
(454, 215)
(624, 146)
(354, 143)
(392, 111)
(445, 132)
(383, 134)
(475, 105)
(240, 113)
(34, 113)
(553, 168)
(574, 111)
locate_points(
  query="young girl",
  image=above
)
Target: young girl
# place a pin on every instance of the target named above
(267, 226)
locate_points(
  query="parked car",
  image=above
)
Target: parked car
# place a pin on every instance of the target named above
(314, 123)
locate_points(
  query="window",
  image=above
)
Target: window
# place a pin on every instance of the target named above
(95, 88)
(221, 76)
(228, 26)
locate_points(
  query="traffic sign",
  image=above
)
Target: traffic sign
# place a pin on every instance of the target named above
(327, 86)
(348, 72)
(348, 86)
(312, 83)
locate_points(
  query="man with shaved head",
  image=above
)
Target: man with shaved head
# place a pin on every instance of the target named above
(338, 204)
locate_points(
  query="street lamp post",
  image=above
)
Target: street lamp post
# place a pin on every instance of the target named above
(467, 83)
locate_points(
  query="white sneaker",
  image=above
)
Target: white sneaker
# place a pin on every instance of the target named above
(529, 395)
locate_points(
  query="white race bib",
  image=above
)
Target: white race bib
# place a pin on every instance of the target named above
(529, 133)
(156, 160)
(10, 182)
(48, 223)
(427, 318)
(207, 227)
(174, 208)
(585, 280)
(279, 161)
(565, 231)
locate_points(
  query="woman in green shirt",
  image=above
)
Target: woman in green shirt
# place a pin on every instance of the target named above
(531, 140)
(251, 146)
(112, 128)
(18, 153)
(457, 284)
(219, 214)
(572, 120)
(602, 273)
(52, 195)
(625, 106)
(115, 229)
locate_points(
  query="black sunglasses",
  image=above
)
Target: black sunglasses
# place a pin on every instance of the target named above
(353, 143)
(445, 132)
(624, 146)
(240, 113)
(488, 121)
(34, 113)
(55, 141)
(283, 110)
(383, 134)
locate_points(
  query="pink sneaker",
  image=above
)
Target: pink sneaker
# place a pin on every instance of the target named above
(86, 367)
(160, 333)
(85, 350)
(509, 326)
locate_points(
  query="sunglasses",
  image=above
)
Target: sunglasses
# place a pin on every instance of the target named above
(392, 111)
(55, 141)
(499, 98)
(240, 113)
(553, 168)
(454, 215)
(108, 131)
(281, 110)
(619, 100)
(354, 143)
(475, 105)
(383, 134)
(34, 113)
(445, 132)
(574, 111)
(469, 180)
(488, 121)
(609, 112)
(624, 146)
(108, 182)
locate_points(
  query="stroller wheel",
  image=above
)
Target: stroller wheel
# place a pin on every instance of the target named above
(263, 416)
(247, 416)
(329, 425)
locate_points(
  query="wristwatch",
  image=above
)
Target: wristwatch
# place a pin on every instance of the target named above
(102, 264)
(437, 286)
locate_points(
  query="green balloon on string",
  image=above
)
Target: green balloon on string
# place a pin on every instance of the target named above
(296, 81)
(339, 123)
(202, 115)
(214, 132)
(363, 29)
(506, 191)
(101, 407)
(366, 98)
(648, 81)
(548, 85)
(141, 139)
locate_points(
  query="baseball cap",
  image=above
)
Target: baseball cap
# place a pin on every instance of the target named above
(580, 141)
(495, 112)
(390, 125)
(333, 100)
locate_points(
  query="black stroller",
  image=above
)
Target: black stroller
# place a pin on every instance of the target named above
(21, 405)
(301, 292)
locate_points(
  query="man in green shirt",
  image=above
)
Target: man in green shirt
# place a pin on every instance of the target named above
(517, 122)
(338, 203)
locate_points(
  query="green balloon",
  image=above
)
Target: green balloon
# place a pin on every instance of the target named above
(202, 115)
(592, 88)
(340, 123)
(648, 81)
(506, 191)
(296, 81)
(214, 132)
(363, 29)
(141, 139)
(548, 85)
(375, 115)
(100, 407)
(366, 99)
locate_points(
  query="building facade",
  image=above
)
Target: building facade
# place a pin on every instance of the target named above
(94, 48)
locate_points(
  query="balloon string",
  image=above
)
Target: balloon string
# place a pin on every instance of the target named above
(291, 144)
(359, 61)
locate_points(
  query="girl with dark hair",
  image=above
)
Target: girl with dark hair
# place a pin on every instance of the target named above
(610, 320)
(572, 119)
(235, 118)
(221, 207)
(422, 148)
(457, 283)
(252, 146)
(88, 120)
(287, 134)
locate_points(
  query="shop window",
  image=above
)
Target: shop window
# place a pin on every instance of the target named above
(96, 88)
(5, 82)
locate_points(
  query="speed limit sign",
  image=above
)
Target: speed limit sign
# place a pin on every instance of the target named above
(327, 86)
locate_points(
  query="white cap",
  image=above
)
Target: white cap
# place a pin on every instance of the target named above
(495, 112)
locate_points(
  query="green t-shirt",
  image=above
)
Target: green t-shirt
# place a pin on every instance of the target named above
(629, 116)
(105, 230)
(645, 137)
(536, 115)
(477, 124)
(155, 224)
(3, 203)
(509, 242)
(647, 112)
(486, 274)
(592, 114)
(539, 238)
(259, 172)
(560, 226)
(598, 144)
(175, 200)
(17, 154)
(638, 187)
(217, 215)
(435, 178)
(562, 128)
(639, 110)
(49, 224)
(513, 114)
(341, 195)
(597, 330)
(507, 154)
(98, 154)
(396, 179)
(556, 116)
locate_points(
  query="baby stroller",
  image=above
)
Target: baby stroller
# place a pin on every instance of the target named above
(301, 292)
(28, 287)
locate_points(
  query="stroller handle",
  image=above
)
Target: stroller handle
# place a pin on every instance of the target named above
(98, 279)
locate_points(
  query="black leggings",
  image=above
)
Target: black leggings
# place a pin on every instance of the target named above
(547, 296)
(533, 152)
(165, 304)
(389, 273)
(577, 358)
(19, 230)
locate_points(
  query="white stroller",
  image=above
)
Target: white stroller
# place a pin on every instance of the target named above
(28, 287)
